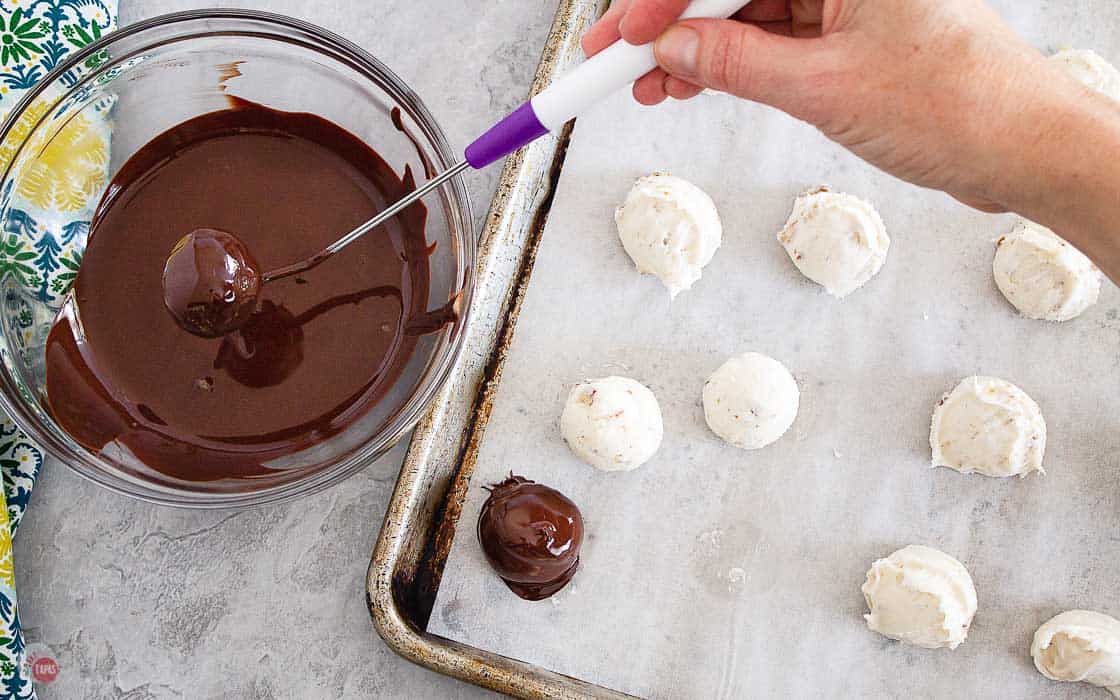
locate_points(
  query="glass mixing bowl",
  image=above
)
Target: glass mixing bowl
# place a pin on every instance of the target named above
(128, 87)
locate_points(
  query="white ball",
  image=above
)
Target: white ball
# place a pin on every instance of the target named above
(613, 424)
(669, 228)
(751, 401)
(988, 426)
(836, 240)
(1079, 645)
(1091, 70)
(921, 596)
(1043, 276)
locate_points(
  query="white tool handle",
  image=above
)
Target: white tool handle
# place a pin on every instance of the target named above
(613, 68)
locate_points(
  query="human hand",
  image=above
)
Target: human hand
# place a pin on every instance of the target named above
(643, 21)
(941, 93)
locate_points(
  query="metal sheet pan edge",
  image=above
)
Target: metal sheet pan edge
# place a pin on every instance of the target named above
(420, 522)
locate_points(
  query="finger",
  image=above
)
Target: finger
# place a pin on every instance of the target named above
(650, 88)
(983, 205)
(681, 89)
(765, 11)
(604, 32)
(782, 27)
(807, 17)
(807, 11)
(744, 60)
(646, 19)
(805, 30)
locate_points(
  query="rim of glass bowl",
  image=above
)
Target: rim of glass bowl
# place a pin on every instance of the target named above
(461, 221)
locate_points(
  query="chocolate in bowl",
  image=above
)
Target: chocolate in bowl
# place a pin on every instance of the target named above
(206, 408)
(183, 73)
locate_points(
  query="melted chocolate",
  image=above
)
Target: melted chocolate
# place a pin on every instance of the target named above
(319, 350)
(531, 535)
(399, 125)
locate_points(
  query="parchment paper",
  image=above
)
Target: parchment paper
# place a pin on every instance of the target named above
(714, 572)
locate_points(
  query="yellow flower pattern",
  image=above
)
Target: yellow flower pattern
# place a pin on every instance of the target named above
(21, 130)
(7, 566)
(60, 175)
(68, 169)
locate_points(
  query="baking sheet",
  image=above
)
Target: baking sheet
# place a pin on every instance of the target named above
(715, 572)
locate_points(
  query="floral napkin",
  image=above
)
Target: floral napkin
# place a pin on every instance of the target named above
(41, 245)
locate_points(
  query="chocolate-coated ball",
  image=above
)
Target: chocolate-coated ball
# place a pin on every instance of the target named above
(210, 282)
(531, 535)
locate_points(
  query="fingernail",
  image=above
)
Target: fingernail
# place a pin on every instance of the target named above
(677, 50)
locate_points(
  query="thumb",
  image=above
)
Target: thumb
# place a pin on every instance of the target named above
(741, 59)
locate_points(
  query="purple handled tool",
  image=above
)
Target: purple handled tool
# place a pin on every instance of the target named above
(615, 67)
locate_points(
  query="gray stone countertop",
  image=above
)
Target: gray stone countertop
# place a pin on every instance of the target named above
(144, 602)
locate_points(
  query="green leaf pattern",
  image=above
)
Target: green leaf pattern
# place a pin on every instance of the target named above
(17, 40)
(16, 259)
